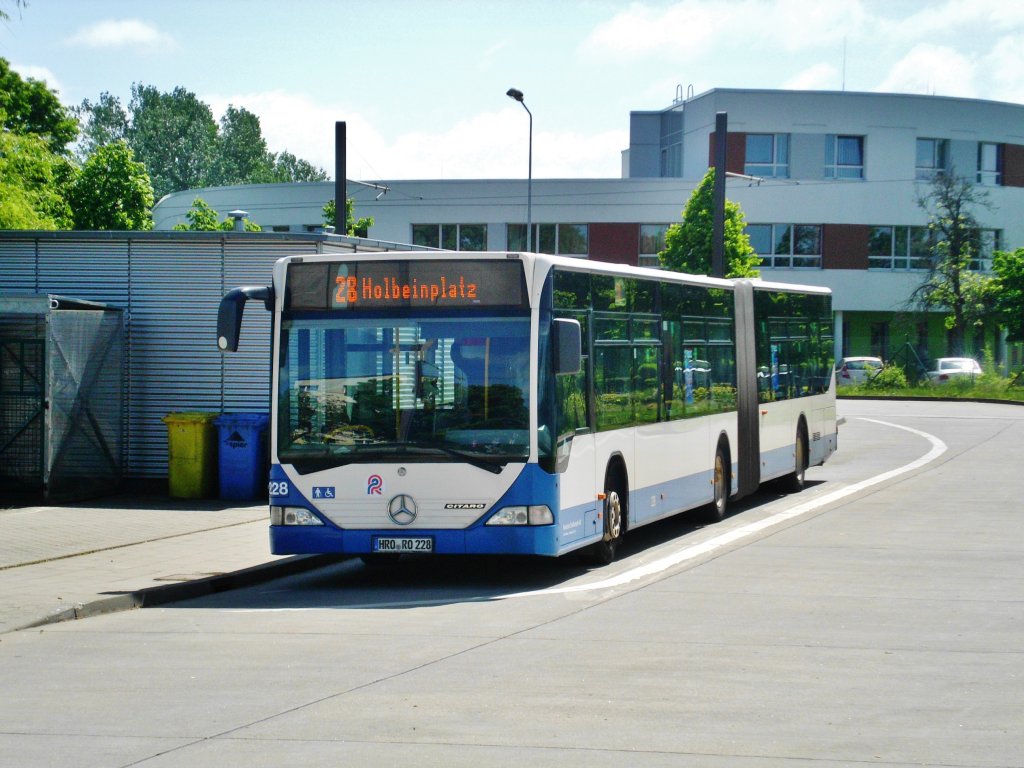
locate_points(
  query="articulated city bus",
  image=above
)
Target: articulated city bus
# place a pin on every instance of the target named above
(519, 403)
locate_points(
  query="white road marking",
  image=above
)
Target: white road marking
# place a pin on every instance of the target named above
(687, 552)
(729, 537)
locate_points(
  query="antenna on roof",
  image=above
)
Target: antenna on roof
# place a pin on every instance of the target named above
(844, 62)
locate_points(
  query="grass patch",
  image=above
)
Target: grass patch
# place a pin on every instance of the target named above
(988, 386)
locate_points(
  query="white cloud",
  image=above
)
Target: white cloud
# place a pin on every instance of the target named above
(931, 69)
(38, 73)
(819, 77)
(683, 31)
(689, 29)
(120, 34)
(1004, 64)
(488, 145)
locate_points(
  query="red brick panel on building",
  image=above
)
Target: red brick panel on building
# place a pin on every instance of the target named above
(735, 151)
(845, 246)
(1013, 165)
(615, 243)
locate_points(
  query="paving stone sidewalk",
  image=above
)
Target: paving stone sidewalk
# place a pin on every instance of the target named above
(64, 562)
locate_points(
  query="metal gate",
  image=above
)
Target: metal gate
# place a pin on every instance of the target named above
(22, 406)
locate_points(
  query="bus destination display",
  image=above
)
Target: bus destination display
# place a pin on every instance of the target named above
(354, 285)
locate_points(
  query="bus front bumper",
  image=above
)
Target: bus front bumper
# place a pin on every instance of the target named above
(478, 540)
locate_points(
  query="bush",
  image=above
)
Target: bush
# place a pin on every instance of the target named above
(890, 377)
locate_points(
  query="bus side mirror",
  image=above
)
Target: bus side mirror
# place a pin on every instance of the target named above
(229, 314)
(567, 344)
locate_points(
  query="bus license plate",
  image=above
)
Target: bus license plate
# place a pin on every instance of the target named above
(401, 544)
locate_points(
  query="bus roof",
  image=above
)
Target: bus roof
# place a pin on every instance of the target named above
(565, 262)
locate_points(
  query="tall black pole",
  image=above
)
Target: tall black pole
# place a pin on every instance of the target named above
(529, 187)
(340, 191)
(718, 196)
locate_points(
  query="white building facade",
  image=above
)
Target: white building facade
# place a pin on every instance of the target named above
(829, 183)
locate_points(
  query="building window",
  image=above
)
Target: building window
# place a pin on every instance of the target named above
(899, 248)
(652, 242)
(556, 239)
(786, 245)
(932, 158)
(985, 243)
(990, 164)
(767, 155)
(911, 248)
(671, 143)
(451, 237)
(844, 157)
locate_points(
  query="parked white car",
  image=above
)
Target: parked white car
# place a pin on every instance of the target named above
(857, 370)
(948, 368)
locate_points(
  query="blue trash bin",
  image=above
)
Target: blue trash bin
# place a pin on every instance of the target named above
(242, 455)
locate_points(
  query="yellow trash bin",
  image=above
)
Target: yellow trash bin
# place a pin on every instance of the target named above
(191, 455)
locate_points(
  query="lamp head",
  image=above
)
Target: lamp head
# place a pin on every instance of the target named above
(513, 93)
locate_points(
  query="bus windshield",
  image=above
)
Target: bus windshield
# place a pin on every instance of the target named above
(435, 388)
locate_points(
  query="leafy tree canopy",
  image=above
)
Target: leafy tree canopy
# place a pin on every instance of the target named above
(29, 106)
(102, 122)
(688, 244)
(287, 167)
(32, 184)
(112, 191)
(952, 283)
(175, 135)
(242, 156)
(355, 227)
(1008, 267)
(4, 15)
(203, 218)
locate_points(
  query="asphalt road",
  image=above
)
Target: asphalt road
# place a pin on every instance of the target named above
(877, 618)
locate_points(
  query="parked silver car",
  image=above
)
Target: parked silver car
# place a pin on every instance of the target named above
(949, 368)
(857, 370)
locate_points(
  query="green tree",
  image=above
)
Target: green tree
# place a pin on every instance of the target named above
(286, 167)
(29, 106)
(1008, 292)
(688, 244)
(952, 284)
(355, 227)
(5, 16)
(32, 181)
(174, 135)
(241, 152)
(112, 191)
(203, 218)
(102, 122)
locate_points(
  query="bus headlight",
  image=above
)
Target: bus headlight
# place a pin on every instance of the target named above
(538, 514)
(293, 516)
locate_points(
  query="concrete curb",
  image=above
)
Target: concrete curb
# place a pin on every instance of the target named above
(170, 593)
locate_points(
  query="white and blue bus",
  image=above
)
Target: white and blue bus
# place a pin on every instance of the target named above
(518, 403)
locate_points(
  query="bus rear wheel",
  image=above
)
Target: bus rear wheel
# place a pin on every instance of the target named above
(720, 480)
(795, 482)
(604, 551)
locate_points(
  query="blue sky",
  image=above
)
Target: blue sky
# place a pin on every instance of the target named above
(422, 83)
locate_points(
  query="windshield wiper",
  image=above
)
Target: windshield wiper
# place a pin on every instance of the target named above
(491, 464)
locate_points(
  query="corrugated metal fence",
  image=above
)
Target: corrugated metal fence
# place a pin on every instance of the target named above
(169, 284)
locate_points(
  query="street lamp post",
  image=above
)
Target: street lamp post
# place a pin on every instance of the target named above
(512, 93)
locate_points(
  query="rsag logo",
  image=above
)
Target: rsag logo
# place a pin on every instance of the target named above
(374, 485)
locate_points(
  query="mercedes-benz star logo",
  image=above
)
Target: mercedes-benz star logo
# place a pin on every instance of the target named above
(402, 509)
